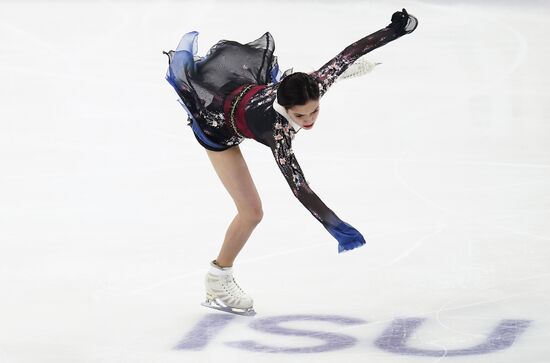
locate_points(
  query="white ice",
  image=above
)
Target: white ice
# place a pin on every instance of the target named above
(110, 210)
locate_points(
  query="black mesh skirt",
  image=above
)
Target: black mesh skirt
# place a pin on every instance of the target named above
(204, 82)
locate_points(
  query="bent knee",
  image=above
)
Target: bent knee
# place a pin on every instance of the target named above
(252, 214)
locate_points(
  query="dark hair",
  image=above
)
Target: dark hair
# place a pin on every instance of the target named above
(296, 89)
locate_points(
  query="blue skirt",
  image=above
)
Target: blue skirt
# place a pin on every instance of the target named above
(203, 82)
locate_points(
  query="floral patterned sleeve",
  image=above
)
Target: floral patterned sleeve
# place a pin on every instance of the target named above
(327, 74)
(348, 237)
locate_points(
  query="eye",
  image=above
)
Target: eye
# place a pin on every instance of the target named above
(299, 116)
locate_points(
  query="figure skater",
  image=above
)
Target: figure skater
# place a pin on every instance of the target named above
(235, 92)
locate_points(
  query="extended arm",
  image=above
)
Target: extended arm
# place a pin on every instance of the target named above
(402, 23)
(347, 236)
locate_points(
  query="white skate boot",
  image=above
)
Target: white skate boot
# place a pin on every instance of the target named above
(223, 293)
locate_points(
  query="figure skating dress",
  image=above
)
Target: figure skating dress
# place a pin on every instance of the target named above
(230, 95)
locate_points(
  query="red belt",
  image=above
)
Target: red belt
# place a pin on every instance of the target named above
(234, 108)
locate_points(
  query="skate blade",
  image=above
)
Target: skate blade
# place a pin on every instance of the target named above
(214, 304)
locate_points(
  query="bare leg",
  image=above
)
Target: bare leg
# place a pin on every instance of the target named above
(235, 176)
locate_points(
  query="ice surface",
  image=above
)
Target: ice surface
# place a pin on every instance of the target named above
(110, 210)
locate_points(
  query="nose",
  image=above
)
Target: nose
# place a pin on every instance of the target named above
(310, 120)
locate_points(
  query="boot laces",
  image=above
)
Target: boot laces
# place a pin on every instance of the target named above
(232, 287)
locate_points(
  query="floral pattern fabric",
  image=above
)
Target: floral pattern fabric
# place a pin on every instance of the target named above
(273, 130)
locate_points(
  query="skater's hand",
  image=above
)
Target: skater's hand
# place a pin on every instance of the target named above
(403, 23)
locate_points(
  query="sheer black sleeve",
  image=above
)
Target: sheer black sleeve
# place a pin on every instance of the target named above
(281, 146)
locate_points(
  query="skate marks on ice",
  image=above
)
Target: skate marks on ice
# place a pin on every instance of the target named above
(456, 214)
(395, 338)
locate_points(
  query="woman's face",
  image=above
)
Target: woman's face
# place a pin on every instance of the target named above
(305, 115)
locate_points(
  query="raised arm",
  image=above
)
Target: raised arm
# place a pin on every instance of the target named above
(402, 23)
(348, 237)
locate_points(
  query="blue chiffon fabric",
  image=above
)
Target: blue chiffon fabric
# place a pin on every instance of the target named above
(203, 82)
(184, 60)
(348, 237)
